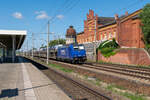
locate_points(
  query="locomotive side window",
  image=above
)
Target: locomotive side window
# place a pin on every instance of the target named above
(76, 47)
(81, 47)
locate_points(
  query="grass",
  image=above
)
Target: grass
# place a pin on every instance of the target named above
(96, 82)
(107, 52)
(57, 67)
(125, 94)
(86, 76)
(60, 68)
(91, 61)
(133, 96)
(112, 86)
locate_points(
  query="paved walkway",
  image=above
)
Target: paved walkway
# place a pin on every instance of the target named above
(23, 81)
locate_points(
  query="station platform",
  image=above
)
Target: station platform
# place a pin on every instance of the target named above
(23, 81)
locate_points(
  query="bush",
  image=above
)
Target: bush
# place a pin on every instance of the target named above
(108, 47)
(107, 52)
(109, 43)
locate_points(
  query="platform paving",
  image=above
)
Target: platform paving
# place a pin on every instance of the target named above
(23, 81)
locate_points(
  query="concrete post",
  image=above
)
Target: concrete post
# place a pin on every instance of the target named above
(48, 43)
(2, 59)
(3, 54)
(7, 52)
(13, 48)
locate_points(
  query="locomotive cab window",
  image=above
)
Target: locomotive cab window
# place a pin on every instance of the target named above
(81, 47)
(76, 47)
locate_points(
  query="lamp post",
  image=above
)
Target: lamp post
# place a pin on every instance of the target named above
(32, 45)
(48, 43)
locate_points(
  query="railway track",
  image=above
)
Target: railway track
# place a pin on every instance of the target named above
(144, 69)
(124, 71)
(135, 73)
(75, 89)
(133, 81)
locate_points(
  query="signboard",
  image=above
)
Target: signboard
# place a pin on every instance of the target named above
(63, 52)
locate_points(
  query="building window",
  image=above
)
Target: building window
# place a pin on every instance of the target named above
(101, 36)
(110, 35)
(89, 39)
(114, 34)
(105, 36)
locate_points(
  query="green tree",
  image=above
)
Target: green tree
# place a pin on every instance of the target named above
(145, 19)
(56, 42)
(34, 48)
(42, 46)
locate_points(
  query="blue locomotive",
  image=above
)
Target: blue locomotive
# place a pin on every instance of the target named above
(74, 53)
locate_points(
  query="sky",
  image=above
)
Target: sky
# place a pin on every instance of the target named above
(33, 15)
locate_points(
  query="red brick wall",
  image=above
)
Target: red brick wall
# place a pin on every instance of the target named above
(89, 28)
(107, 31)
(128, 56)
(130, 33)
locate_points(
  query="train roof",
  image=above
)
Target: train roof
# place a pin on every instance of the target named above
(73, 44)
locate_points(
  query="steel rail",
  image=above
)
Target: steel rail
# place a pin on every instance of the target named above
(79, 84)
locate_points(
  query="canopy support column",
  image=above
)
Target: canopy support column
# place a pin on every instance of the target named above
(3, 55)
(13, 48)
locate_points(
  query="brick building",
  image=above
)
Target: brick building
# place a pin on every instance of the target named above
(70, 35)
(125, 29)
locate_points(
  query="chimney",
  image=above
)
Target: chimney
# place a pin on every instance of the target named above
(87, 16)
(116, 17)
(70, 26)
(126, 13)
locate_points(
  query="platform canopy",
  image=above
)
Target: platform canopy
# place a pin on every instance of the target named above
(2, 45)
(7, 36)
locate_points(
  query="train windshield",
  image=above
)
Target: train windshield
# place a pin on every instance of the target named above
(79, 47)
(76, 47)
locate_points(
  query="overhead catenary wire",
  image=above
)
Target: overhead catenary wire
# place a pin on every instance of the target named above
(68, 8)
(65, 4)
(68, 5)
(43, 28)
(127, 7)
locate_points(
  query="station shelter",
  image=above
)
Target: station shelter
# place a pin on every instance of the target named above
(10, 41)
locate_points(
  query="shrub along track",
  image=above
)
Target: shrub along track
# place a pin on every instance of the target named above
(74, 88)
(135, 80)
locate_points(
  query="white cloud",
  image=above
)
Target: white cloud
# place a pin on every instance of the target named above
(60, 16)
(41, 15)
(17, 15)
(52, 32)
